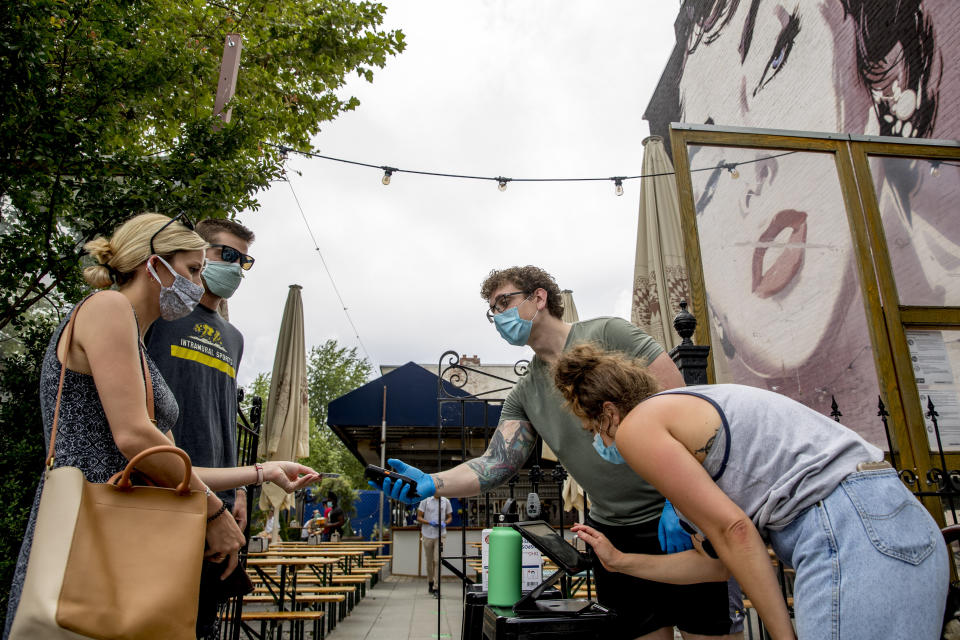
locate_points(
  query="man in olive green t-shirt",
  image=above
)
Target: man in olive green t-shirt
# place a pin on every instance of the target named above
(526, 308)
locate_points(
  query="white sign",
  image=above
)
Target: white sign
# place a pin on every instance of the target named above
(531, 563)
(933, 371)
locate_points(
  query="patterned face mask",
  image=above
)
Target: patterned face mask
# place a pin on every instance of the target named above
(179, 299)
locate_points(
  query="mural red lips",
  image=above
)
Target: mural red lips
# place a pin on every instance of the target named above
(780, 273)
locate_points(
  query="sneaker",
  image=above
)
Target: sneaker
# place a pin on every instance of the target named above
(430, 588)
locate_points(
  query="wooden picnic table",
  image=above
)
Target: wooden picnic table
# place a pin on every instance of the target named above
(346, 555)
(321, 567)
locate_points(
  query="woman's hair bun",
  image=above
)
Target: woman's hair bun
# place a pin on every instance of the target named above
(98, 275)
(99, 249)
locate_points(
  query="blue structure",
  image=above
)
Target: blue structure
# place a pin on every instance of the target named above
(367, 515)
(412, 412)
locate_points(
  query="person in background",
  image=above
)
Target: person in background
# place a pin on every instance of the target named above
(335, 520)
(433, 514)
(199, 355)
(155, 263)
(745, 466)
(526, 308)
(316, 524)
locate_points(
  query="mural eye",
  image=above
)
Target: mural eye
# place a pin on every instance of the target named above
(778, 59)
(781, 51)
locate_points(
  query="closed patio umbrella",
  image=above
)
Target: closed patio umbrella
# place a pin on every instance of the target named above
(286, 433)
(660, 279)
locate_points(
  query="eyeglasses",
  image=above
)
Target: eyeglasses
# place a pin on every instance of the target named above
(184, 220)
(707, 547)
(500, 304)
(229, 254)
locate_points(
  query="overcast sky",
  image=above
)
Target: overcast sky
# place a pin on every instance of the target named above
(538, 88)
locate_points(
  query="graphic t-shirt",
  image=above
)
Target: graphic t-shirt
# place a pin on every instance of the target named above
(618, 495)
(198, 356)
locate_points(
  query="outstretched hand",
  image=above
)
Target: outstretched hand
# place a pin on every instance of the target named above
(608, 554)
(399, 490)
(288, 475)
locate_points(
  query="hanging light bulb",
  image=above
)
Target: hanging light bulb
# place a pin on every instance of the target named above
(935, 169)
(502, 183)
(732, 168)
(387, 172)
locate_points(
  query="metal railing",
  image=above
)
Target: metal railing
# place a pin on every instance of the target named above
(248, 441)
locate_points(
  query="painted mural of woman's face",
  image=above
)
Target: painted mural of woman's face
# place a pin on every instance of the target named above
(787, 58)
(778, 234)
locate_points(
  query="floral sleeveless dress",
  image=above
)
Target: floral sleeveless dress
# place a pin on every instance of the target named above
(84, 439)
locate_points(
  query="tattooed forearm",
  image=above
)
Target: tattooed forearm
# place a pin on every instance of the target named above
(437, 481)
(705, 449)
(509, 448)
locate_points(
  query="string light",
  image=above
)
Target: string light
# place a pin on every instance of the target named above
(502, 181)
(935, 169)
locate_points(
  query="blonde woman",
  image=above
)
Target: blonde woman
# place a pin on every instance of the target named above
(746, 466)
(155, 263)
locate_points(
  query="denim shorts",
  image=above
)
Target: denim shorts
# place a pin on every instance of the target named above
(870, 563)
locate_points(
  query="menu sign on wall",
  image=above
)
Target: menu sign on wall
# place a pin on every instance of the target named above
(934, 363)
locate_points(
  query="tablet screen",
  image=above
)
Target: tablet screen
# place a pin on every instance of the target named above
(548, 540)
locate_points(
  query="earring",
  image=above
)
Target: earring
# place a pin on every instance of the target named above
(896, 110)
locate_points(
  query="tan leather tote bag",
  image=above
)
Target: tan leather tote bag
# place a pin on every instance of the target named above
(114, 560)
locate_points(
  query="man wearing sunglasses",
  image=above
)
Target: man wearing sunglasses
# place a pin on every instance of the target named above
(526, 308)
(199, 356)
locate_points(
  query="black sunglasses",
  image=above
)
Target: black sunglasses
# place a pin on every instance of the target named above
(707, 547)
(184, 220)
(229, 254)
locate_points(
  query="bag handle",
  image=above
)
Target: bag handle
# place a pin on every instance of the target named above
(124, 483)
(68, 335)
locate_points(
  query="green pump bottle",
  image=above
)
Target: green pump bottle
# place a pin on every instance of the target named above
(506, 546)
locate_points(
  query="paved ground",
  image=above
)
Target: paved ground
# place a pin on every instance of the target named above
(400, 608)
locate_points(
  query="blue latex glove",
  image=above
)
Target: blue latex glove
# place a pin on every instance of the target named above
(399, 490)
(434, 523)
(673, 538)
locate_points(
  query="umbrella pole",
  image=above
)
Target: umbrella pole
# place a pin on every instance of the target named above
(383, 455)
(275, 534)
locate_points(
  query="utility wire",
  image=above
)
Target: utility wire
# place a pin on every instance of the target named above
(316, 246)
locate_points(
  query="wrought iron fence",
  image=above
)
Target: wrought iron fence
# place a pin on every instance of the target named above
(248, 441)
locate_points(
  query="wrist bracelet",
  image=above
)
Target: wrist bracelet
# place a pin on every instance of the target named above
(244, 489)
(223, 507)
(259, 473)
(206, 492)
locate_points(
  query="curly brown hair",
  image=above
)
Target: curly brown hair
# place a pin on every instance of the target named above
(528, 279)
(587, 376)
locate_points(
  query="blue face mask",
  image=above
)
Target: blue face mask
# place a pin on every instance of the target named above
(609, 453)
(222, 278)
(512, 327)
